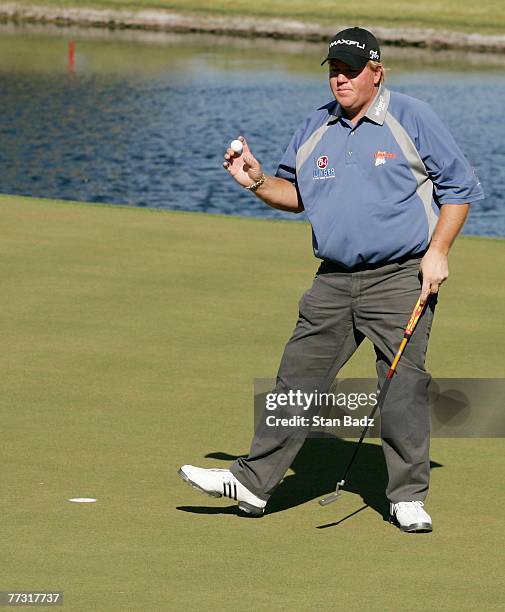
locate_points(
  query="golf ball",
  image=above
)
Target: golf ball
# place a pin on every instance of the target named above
(237, 146)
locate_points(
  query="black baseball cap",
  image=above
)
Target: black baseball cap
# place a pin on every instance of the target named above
(355, 47)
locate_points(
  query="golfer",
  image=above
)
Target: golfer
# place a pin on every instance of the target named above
(386, 190)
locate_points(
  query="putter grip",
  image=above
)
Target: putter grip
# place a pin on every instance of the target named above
(411, 325)
(414, 318)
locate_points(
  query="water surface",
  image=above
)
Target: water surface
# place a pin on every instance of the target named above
(144, 119)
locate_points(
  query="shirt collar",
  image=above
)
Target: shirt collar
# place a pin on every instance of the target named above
(376, 111)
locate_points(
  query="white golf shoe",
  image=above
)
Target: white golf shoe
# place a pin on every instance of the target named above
(222, 483)
(410, 516)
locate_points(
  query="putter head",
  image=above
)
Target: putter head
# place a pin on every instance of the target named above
(332, 496)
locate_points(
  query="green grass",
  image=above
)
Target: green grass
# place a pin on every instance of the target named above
(130, 339)
(487, 16)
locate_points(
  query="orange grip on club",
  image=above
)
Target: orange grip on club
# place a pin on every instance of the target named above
(416, 313)
(399, 352)
(411, 325)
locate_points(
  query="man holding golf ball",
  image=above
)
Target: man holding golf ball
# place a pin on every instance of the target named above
(386, 190)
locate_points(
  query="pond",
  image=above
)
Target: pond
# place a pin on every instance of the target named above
(143, 119)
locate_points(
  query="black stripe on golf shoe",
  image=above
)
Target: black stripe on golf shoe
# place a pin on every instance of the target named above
(228, 491)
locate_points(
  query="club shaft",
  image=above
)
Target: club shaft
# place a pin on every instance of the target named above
(378, 405)
(411, 325)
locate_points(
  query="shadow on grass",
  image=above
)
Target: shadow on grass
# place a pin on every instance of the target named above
(209, 509)
(335, 523)
(317, 468)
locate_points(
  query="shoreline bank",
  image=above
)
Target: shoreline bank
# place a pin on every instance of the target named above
(169, 211)
(250, 27)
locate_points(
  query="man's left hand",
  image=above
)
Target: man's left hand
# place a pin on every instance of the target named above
(434, 270)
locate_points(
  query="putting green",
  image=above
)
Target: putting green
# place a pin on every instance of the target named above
(130, 341)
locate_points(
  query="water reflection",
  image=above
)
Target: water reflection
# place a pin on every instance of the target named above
(143, 119)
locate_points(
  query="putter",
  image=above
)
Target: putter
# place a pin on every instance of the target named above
(416, 313)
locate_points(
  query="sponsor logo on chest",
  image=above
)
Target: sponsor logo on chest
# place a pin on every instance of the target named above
(382, 156)
(322, 171)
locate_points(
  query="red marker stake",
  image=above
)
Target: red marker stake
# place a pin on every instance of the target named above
(71, 56)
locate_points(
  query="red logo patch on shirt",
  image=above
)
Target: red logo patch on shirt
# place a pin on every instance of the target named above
(385, 154)
(382, 156)
(322, 162)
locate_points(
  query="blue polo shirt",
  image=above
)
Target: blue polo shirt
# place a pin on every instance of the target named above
(372, 192)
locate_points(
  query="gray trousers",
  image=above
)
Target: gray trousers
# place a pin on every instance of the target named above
(335, 315)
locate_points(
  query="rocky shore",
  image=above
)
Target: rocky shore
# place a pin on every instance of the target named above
(169, 21)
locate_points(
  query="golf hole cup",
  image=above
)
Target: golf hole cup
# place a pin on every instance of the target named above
(237, 146)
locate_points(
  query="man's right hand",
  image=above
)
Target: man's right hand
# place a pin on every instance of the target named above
(275, 192)
(244, 168)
